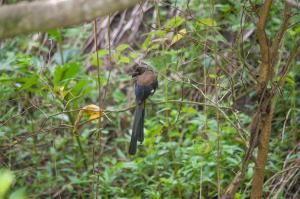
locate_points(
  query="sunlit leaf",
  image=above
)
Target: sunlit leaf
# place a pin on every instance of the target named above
(290, 80)
(6, 179)
(207, 22)
(213, 76)
(174, 22)
(124, 59)
(178, 36)
(133, 55)
(102, 52)
(122, 47)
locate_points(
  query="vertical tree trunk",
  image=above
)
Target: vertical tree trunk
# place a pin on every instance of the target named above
(262, 119)
(263, 148)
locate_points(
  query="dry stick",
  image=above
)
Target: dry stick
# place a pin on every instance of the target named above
(109, 74)
(101, 102)
(280, 173)
(99, 97)
(205, 90)
(218, 149)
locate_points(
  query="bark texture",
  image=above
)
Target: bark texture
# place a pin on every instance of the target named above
(24, 18)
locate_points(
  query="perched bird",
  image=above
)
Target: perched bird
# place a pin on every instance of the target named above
(145, 85)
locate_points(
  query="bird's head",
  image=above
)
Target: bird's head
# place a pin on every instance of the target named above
(138, 70)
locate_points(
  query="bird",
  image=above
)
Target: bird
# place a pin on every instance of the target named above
(145, 85)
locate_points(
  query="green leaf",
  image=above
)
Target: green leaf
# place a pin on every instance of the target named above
(133, 55)
(6, 179)
(124, 59)
(160, 33)
(207, 22)
(290, 80)
(24, 61)
(122, 47)
(19, 194)
(174, 22)
(72, 70)
(154, 47)
(147, 41)
(297, 29)
(213, 76)
(189, 110)
(80, 86)
(119, 96)
(55, 34)
(223, 7)
(237, 196)
(102, 52)
(65, 72)
(117, 55)
(57, 74)
(29, 82)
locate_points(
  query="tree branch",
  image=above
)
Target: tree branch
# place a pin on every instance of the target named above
(261, 121)
(24, 18)
(265, 67)
(278, 38)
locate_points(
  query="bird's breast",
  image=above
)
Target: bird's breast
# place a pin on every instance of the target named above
(146, 79)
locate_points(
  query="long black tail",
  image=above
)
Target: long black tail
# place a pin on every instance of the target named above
(138, 128)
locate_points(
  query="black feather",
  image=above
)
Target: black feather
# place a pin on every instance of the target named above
(138, 128)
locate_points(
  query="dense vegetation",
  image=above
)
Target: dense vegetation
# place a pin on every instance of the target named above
(206, 56)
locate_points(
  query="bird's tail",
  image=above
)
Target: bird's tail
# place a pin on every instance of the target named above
(138, 128)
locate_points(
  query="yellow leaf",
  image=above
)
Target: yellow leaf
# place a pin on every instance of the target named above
(60, 92)
(178, 36)
(93, 111)
(91, 108)
(95, 115)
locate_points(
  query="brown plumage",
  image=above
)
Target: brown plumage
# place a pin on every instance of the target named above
(147, 78)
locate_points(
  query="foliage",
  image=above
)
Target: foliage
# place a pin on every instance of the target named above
(192, 146)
